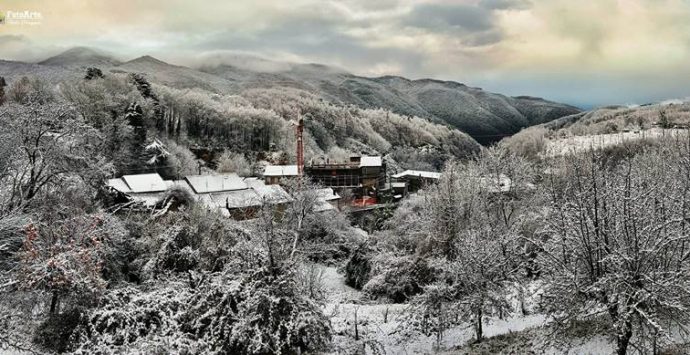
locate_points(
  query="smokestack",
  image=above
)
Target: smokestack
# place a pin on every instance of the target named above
(300, 146)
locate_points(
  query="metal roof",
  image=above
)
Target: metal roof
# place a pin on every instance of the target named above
(281, 170)
(323, 206)
(216, 183)
(371, 161)
(272, 194)
(418, 173)
(239, 199)
(145, 183)
(327, 194)
(119, 185)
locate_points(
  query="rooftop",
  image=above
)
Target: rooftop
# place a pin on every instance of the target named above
(216, 183)
(419, 173)
(119, 185)
(327, 194)
(145, 183)
(239, 199)
(367, 161)
(272, 194)
(281, 170)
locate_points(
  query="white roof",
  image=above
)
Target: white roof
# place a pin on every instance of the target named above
(370, 161)
(145, 183)
(119, 185)
(419, 173)
(327, 194)
(270, 193)
(281, 170)
(322, 206)
(239, 198)
(216, 183)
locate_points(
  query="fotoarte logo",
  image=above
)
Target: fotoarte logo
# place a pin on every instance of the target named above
(24, 17)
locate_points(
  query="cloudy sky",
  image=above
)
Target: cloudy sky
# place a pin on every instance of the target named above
(584, 52)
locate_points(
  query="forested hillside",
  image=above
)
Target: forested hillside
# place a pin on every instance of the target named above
(486, 116)
(602, 127)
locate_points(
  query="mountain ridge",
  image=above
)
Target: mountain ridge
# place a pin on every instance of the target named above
(484, 115)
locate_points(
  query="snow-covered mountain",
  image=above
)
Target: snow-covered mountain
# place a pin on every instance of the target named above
(483, 115)
(81, 57)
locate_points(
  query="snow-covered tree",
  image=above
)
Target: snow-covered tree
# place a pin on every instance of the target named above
(618, 244)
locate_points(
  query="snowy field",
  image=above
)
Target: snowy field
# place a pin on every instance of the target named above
(576, 144)
(378, 325)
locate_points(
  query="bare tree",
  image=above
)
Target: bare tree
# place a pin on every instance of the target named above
(305, 196)
(619, 244)
(475, 216)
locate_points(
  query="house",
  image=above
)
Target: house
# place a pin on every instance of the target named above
(215, 183)
(417, 179)
(230, 194)
(327, 200)
(146, 189)
(274, 173)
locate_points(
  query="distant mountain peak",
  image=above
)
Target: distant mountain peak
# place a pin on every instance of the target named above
(147, 59)
(81, 57)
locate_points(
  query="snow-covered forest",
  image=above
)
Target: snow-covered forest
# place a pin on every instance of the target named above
(513, 250)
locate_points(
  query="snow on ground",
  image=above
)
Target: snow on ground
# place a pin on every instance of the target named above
(378, 324)
(575, 144)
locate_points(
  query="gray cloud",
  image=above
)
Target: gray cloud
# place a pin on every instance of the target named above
(472, 25)
(319, 41)
(457, 18)
(505, 4)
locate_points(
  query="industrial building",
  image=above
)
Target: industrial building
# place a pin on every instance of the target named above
(365, 176)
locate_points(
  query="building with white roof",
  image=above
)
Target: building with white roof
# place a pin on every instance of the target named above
(327, 200)
(145, 183)
(228, 193)
(369, 161)
(273, 173)
(418, 173)
(215, 183)
(417, 179)
(146, 189)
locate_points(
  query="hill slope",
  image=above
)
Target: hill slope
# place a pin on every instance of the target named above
(485, 116)
(81, 57)
(603, 127)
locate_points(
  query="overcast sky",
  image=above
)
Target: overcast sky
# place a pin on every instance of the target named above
(584, 52)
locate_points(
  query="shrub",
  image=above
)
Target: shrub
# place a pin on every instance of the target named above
(399, 278)
(358, 268)
(258, 313)
(54, 333)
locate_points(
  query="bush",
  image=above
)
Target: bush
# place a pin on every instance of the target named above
(258, 313)
(358, 268)
(399, 278)
(54, 334)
